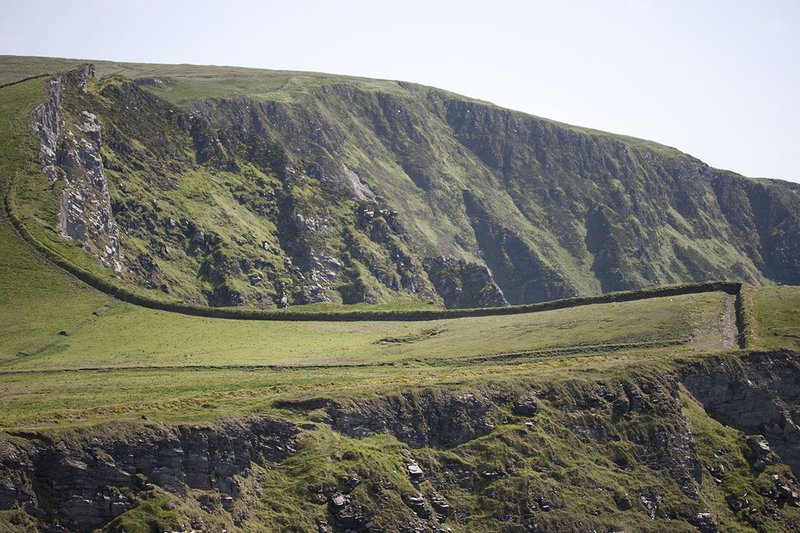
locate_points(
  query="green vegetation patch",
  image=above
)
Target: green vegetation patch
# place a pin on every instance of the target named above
(777, 313)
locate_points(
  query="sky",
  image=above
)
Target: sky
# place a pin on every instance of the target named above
(719, 79)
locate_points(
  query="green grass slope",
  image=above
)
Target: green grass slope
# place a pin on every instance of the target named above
(241, 187)
(583, 422)
(162, 356)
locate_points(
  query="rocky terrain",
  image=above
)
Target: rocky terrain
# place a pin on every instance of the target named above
(504, 456)
(757, 395)
(85, 480)
(343, 192)
(133, 191)
(71, 158)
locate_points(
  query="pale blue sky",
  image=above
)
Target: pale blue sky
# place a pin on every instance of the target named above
(718, 79)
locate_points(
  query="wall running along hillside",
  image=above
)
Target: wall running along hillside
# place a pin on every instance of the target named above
(354, 194)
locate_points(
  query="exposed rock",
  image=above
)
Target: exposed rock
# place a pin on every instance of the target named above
(79, 479)
(440, 506)
(380, 242)
(756, 394)
(785, 492)
(704, 522)
(226, 296)
(760, 454)
(418, 504)
(651, 502)
(415, 473)
(349, 482)
(664, 446)
(524, 407)
(346, 515)
(360, 189)
(491, 475)
(463, 284)
(430, 418)
(337, 501)
(323, 526)
(623, 501)
(71, 157)
(227, 502)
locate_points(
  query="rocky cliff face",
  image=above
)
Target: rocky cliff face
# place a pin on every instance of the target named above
(464, 284)
(432, 418)
(70, 153)
(480, 442)
(757, 394)
(624, 452)
(84, 481)
(349, 193)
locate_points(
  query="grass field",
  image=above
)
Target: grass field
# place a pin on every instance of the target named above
(72, 354)
(121, 335)
(778, 317)
(215, 367)
(107, 364)
(118, 359)
(74, 358)
(69, 352)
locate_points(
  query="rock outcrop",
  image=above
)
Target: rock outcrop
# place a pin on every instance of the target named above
(82, 481)
(463, 284)
(70, 153)
(757, 394)
(430, 418)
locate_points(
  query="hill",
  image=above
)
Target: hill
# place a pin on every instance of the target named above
(237, 187)
(131, 405)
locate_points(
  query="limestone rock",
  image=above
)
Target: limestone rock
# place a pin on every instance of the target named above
(70, 155)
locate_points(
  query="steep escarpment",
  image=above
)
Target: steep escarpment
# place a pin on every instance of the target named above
(768, 209)
(431, 418)
(224, 216)
(630, 451)
(345, 190)
(636, 213)
(555, 208)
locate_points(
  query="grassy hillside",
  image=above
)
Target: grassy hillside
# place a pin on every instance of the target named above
(118, 417)
(241, 187)
(128, 344)
(33, 300)
(777, 309)
(124, 369)
(120, 369)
